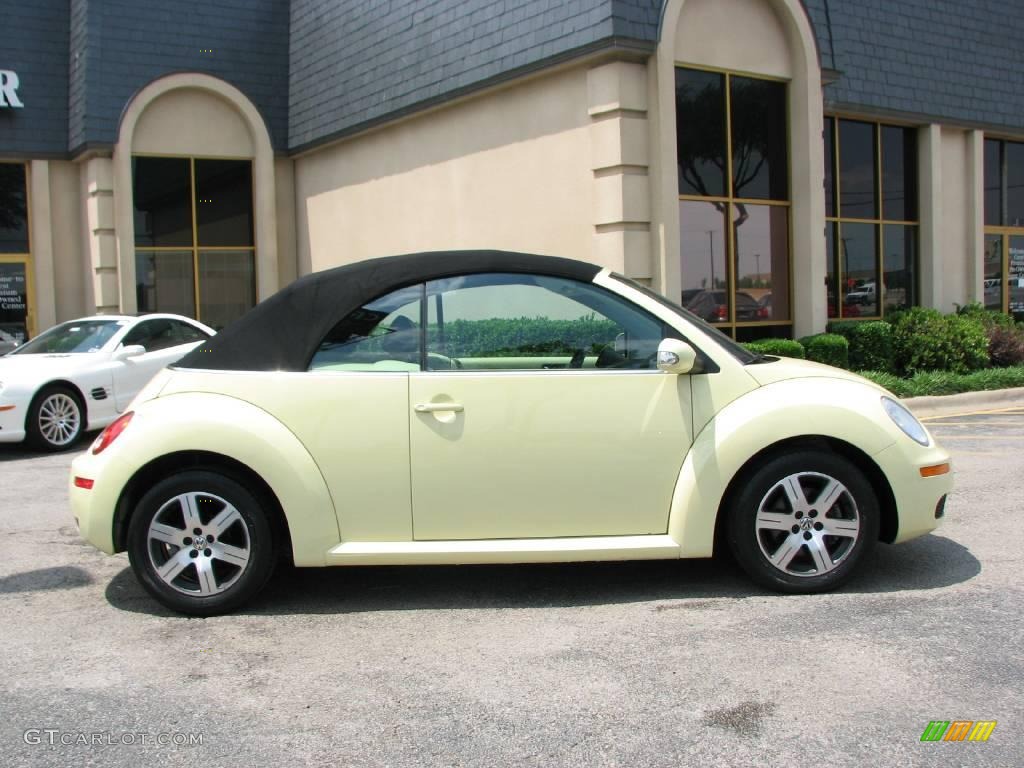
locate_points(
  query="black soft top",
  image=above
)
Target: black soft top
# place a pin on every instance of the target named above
(283, 332)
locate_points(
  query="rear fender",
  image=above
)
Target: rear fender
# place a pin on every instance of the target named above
(230, 427)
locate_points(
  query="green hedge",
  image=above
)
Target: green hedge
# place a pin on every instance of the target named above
(946, 383)
(526, 335)
(870, 343)
(827, 348)
(926, 340)
(777, 347)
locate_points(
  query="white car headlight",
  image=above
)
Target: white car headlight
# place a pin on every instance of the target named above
(906, 421)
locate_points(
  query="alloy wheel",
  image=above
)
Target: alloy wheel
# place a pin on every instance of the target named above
(59, 419)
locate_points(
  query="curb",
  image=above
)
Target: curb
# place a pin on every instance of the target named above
(944, 405)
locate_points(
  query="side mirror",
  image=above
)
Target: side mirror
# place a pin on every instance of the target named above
(132, 350)
(675, 356)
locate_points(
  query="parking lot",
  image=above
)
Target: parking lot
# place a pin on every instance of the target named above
(628, 664)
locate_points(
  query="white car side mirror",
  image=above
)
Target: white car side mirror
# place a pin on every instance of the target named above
(132, 350)
(675, 356)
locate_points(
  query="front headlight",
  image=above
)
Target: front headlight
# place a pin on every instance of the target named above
(906, 421)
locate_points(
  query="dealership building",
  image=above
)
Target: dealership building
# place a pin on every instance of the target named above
(771, 163)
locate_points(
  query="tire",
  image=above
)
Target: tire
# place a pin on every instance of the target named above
(781, 536)
(186, 571)
(56, 419)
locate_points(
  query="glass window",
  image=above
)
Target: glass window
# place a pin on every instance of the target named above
(899, 173)
(13, 209)
(872, 232)
(162, 197)
(224, 202)
(993, 281)
(1016, 275)
(165, 282)
(227, 285)
(858, 179)
(700, 132)
(14, 300)
(703, 247)
(898, 278)
(74, 337)
(1014, 184)
(383, 335)
(187, 333)
(993, 182)
(830, 167)
(194, 237)
(734, 254)
(759, 154)
(761, 245)
(533, 322)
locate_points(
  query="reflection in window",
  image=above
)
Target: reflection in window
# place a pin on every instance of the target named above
(194, 237)
(993, 280)
(700, 132)
(858, 180)
(871, 245)
(13, 209)
(759, 165)
(734, 253)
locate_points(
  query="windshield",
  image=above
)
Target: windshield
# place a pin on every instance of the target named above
(75, 337)
(737, 351)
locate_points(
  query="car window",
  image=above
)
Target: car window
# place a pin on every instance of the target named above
(533, 322)
(383, 335)
(186, 333)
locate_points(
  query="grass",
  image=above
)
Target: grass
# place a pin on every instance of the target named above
(946, 383)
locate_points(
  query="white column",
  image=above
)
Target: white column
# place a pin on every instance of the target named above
(975, 223)
(101, 243)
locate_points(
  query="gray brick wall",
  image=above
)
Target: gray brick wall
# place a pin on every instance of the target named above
(35, 45)
(119, 46)
(356, 62)
(954, 60)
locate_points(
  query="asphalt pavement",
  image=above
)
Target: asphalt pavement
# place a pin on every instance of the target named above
(619, 664)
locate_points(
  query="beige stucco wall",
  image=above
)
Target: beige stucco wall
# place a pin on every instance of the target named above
(284, 177)
(956, 240)
(738, 35)
(509, 169)
(191, 121)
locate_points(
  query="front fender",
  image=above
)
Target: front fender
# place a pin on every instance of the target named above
(230, 427)
(845, 410)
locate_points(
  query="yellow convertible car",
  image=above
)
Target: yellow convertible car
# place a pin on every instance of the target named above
(491, 407)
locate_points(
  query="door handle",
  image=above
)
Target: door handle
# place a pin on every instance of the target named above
(437, 407)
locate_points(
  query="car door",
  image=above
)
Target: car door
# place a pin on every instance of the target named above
(165, 340)
(540, 413)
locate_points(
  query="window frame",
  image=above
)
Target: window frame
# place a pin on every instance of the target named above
(730, 326)
(878, 222)
(196, 249)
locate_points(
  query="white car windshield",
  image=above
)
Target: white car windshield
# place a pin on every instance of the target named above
(78, 336)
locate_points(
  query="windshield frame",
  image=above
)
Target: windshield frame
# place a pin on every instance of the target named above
(37, 345)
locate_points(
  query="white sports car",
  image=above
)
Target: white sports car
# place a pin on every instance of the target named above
(81, 374)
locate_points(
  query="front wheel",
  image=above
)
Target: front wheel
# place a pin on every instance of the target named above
(201, 543)
(802, 522)
(56, 419)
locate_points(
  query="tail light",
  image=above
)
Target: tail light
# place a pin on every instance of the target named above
(721, 312)
(110, 434)
(763, 313)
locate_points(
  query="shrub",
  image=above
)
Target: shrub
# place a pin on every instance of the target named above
(827, 348)
(987, 317)
(926, 340)
(778, 347)
(945, 383)
(870, 343)
(1005, 346)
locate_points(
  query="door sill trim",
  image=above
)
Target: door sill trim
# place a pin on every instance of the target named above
(563, 550)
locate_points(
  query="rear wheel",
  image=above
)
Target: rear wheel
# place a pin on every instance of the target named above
(201, 543)
(55, 420)
(802, 522)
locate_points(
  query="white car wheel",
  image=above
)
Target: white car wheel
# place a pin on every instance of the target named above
(55, 419)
